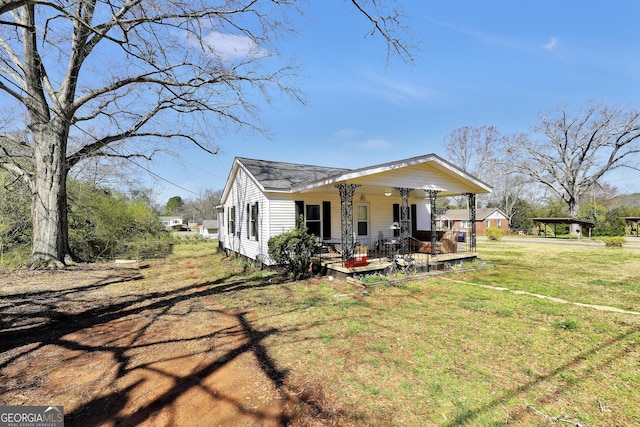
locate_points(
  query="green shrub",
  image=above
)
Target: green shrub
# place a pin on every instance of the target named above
(14, 257)
(614, 242)
(494, 233)
(104, 224)
(292, 250)
(15, 219)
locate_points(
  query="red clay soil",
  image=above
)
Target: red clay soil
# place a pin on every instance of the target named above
(116, 349)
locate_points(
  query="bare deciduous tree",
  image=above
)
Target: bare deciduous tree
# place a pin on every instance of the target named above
(140, 71)
(577, 149)
(474, 150)
(202, 206)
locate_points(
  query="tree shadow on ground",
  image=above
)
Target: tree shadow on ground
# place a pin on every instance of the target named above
(467, 417)
(74, 320)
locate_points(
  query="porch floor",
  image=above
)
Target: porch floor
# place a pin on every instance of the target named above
(334, 266)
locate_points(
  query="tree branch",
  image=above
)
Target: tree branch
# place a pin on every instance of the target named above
(383, 25)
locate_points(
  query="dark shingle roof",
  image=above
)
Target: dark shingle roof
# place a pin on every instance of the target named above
(284, 176)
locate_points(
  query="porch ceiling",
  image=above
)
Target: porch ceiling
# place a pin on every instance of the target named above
(414, 173)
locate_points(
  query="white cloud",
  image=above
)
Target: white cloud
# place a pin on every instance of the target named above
(347, 133)
(479, 35)
(371, 144)
(230, 46)
(400, 92)
(394, 90)
(552, 43)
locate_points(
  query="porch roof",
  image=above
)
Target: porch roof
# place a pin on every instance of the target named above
(416, 173)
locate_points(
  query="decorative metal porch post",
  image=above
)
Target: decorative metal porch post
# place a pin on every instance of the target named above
(346, 208)
(404, 219)
(433, 195)
(472, 219)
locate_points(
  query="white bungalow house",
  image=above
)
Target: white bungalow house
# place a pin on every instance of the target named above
(351, 208)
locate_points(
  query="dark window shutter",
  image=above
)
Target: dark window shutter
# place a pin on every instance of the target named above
(248, 235)
(256, 223)
(414, 218)
(299, 211)
(326, 220)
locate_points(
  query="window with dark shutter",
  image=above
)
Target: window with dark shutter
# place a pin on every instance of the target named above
(254, 221)
(313, 219)
(232, 220)
(248, 216)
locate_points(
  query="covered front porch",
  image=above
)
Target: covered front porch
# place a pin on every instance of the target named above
(425, 263)
(390, 211)
(369, 255)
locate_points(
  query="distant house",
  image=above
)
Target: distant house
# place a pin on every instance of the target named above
(351, 208)
(171, 222)
(209, 229)
(459, 219)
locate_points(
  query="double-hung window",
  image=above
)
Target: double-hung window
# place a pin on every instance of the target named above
(362, 220)
(312, 219)
(232, 220)
(252, 221)
(316, 217)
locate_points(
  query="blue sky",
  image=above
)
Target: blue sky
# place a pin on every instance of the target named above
(497, 63)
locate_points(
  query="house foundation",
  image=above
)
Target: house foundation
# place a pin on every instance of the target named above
(424, 264)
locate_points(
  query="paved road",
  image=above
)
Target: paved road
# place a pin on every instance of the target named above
(631, 242)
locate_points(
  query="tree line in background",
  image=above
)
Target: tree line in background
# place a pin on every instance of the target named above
(196, 208)
(103, 223)
(608, 214)
(560, 174)
(559, 169)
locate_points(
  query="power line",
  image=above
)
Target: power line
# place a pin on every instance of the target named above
(76, 126)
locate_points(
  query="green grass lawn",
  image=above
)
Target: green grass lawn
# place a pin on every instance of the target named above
(443, 351)
(586, 274)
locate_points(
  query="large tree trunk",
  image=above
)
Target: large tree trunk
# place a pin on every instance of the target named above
(49, 198)
(574, 229)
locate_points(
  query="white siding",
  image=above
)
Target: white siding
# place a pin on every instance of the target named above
(244, 191)
(282, 215)
(380, 212)
(381, 209)
(277, 215)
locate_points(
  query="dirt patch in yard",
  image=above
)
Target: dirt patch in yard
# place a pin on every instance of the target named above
(124, 345)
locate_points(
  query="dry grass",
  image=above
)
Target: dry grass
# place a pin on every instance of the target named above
(438, 351)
